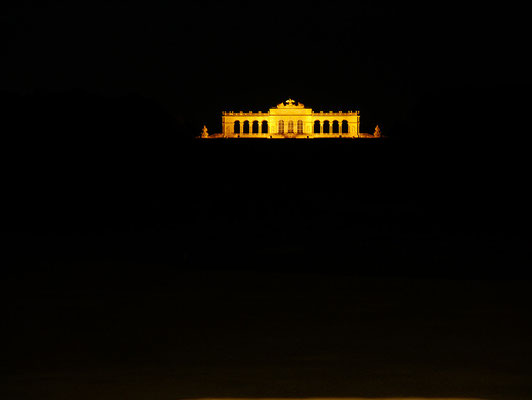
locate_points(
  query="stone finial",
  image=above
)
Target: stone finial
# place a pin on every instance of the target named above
(204, 132)
(377, 132)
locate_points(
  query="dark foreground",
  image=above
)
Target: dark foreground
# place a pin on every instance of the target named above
(241, 334)
(268, 270)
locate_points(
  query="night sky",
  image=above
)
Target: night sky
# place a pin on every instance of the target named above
(198, 59)
(139, 262)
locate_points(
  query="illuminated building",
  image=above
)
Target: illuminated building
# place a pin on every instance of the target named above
(290, 120)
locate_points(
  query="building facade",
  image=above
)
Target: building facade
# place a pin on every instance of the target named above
(289, 120)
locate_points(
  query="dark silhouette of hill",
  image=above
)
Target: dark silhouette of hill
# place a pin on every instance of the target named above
(83, 161)
(129, 180)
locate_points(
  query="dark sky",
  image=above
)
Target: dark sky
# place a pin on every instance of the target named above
(114, 84)
(201, 58)
(118, 82)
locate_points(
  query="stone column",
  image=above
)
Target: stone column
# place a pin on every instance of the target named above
(321, 127)
(260, 127)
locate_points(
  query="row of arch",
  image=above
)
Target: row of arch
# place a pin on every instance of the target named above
(331, 126)
(262, 127)
(249, 127)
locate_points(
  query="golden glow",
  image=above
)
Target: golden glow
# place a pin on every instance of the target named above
(290, 120)
(340, 398)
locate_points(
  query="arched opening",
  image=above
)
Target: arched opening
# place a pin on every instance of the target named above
(290, 126)
(345, 126)
(281, 126)
(236, 128)
(255, 127)
(335, 127)
(326, 127)
(299, 126)
(316, 126)
(264, 126)
(247, 127)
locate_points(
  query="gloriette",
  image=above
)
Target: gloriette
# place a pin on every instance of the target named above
(290, 120)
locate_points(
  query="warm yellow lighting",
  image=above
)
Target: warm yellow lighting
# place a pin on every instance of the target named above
(340, 398)
(290, 120)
